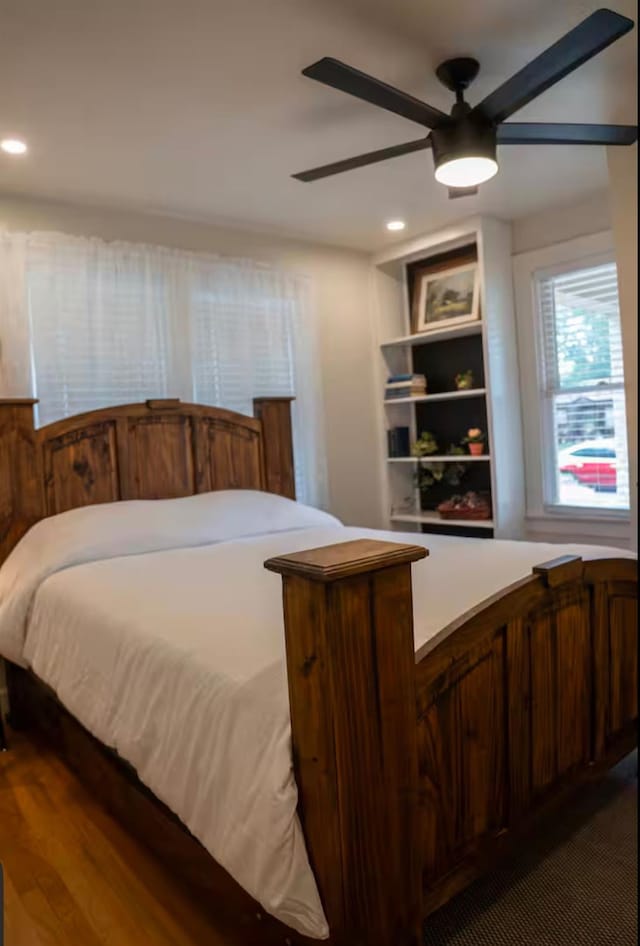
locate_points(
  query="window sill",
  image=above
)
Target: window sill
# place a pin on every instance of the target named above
(580, 514)
(580, 527)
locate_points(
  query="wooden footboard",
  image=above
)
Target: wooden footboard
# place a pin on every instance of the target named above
(415, 771)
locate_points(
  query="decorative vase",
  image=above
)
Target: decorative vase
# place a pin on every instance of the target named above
(476, 449)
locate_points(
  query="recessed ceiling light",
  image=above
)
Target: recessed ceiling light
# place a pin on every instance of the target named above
(396, 225)
(13, 146)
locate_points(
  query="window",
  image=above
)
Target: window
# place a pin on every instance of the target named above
(114, 323)
(581, 387)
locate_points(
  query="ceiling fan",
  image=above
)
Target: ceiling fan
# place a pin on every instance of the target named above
(464, 143)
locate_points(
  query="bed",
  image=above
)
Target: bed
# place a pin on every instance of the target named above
(323, 749)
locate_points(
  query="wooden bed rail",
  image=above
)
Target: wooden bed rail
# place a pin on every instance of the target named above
(417, 771)
(351, 668)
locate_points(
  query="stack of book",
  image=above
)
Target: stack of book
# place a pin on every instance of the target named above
(398, 441)
(405, 385)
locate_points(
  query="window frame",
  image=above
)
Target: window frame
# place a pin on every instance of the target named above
(528, 267)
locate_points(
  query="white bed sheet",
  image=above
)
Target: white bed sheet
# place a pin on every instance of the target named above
(176, 659)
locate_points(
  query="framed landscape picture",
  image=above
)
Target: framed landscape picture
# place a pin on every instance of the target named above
(448, 297)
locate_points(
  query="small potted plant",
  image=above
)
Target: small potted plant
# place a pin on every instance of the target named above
(475, 441)
(425, 445)
(464, 380)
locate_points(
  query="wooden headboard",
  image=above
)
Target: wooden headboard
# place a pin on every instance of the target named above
(157, 450)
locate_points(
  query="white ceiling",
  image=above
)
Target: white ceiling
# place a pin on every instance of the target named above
(197, 107)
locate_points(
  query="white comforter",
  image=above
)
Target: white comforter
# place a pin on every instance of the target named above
(175, 658)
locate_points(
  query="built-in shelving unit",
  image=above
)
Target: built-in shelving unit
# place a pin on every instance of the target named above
(487, 346)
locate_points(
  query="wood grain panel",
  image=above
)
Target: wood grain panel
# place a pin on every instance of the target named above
(160, 457)
(81, 467)
(275, 417)
(21, 478)
(573, 683)
(544, 763)
(623, 624)
(230, 456)
(600, 668)
(519, 711)
(462, 752)
(560, 657)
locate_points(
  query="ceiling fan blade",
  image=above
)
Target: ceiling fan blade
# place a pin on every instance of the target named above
(462, 192)
(587, 39)
(338, 75)
(337, 167)
(547, 133)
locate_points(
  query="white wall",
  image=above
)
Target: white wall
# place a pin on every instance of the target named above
(623, 186)
(561, 223)
(342, 290)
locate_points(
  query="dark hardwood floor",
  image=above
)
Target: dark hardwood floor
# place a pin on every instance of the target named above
(73, 877)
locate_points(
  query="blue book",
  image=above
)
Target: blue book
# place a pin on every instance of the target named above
(395, 378)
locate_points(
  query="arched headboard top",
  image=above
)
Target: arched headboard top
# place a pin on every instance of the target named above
(159, 449)
(157, 407)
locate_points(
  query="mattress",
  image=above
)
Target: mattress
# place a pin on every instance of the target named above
(175, 658)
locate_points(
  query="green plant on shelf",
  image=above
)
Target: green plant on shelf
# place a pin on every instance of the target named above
(425, 445)
(455, 450)
(431, 474)
(464, 380)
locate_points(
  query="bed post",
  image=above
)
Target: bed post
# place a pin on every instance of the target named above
(277, 443)
(20, 479)
(352, 692)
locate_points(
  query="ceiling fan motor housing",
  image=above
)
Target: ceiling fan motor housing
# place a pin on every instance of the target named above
(467, 137)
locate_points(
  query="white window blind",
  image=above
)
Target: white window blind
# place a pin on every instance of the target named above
(99, 326)
(112, 323)
(582, 388)
(248, 340)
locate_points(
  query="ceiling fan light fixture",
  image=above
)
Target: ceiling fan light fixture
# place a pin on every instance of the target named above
(464, 153)
(468, 171)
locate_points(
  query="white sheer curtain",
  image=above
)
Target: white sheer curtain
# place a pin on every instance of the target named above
(84, 324)
(15, 369)
(99, 324)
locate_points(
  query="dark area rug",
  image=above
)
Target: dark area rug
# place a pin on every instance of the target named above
(574, 884)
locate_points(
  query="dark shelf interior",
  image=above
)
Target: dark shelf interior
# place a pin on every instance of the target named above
(466, 532)
(449, 421)
(477, 478)
(440, 362)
